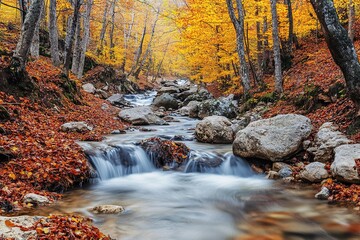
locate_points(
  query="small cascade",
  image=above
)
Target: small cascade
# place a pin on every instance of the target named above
(120, 161)
(144, 99)
(227, 164)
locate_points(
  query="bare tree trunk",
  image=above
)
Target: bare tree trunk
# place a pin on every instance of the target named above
(21, 53)
(103, 29)
(147, 51)
(127, 35)
(23, 6)
(351, 13)
(238, 23)
(341, 47)
(77, 48)
(259, 47)
(53, 34)
(139, 50)
(277, 54)
(251, 65)
(35, 44)
(265, 52)
(86, 37)
(111, 34)
(70, 38)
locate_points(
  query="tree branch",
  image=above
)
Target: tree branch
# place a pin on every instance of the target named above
(7, 5)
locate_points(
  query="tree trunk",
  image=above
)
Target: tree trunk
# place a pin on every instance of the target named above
(259, 47)
(127, 35)
(27, 33)
(70, 37)
(103, 29)
(276, 43)
(139, 51)
(238, 23)
(54, 35)
(112, 28)
(35, 44)
(266, 52)
(351, 14)
(23, 7)
(341, 47)
(77, 48)
(86, 37)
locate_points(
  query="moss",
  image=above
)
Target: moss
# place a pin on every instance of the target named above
(268, 98)
(309, 99)
(354, 127)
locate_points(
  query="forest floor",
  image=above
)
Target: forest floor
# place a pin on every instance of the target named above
(37, 157)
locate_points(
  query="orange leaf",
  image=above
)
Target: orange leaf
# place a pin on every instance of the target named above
(9, 223)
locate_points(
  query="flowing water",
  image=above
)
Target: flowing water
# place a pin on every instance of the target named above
(216, 201)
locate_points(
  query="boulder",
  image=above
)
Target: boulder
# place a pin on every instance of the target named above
(75, 127)
(167, 101)
(171, 89)
(89, 87)
(108, 209)
(326, 140)
(118, 100)
(190, 110)
(102, 94)
(35, 199)
(199, 96)
(141, 116)
(185, 94)
(314, 172)
(273, 139)
(214, 129)
(285, 172)
(346, 164)
(220, 107)
(16, 232)
(165, 153)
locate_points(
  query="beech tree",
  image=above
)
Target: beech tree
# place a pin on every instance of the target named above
(276, 46)
(53, 34)
(238, 22)
(22, 51)
(341, 47)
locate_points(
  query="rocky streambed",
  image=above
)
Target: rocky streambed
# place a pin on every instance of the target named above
(207, 177)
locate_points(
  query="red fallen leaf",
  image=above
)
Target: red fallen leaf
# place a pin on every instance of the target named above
(9, 224)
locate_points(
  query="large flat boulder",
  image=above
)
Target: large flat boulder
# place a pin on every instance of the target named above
(141, 116)
(167, 101)
(272, 139)
(346, 163)
(326, 140)
(214, 129)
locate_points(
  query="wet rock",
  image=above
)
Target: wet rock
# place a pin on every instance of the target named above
(185, 94)
(165, 152)
(214, 129)
(167, 101)
(108, 209)
(219, 107)
(273, 139)
(75, 127)
(118, 100)
(285, 172)
(118, 132)
(171, 89)
(170, 119)
(277, 166)
(199, 96)
(141, 116)
(314, 172)
(15, 232)
(273, 175)
(345, 166)
(102, 93)
(35, 199)
(89, 87)
(191, 109)
(323, 194)
(182, 138)
(326, 140)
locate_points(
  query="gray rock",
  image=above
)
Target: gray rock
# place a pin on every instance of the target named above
(326, 140)
(199, 96)
(214, 129)
(107, 209)
(219, 107)
(185, 94)
(15, 232)
(104, 106)
(285, 172)
(75, 127)
(167, 101)
(277, 166)
(344, 167)
(190, 110)
(89, 87)
(171, 89)
(273, 139)
(273, 175)
(102, 93)
(314, 172)
(323, 194)
(141, 116)
(118, 100)
(35, 199)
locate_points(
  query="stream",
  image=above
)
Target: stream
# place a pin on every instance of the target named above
(228, 201)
